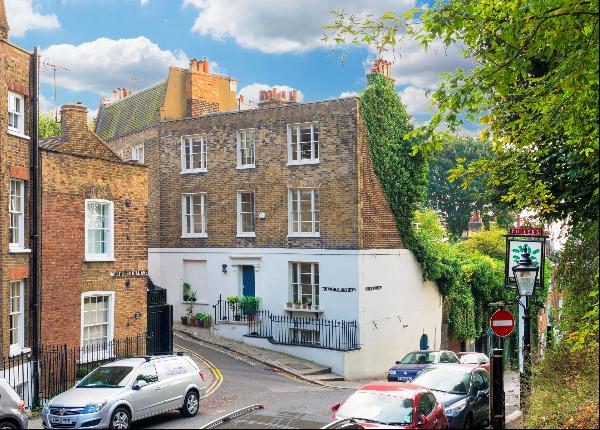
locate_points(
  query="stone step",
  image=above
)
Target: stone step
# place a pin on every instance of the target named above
(317, 372)
(328, 377)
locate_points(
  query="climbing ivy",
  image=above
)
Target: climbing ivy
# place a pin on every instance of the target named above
(469, 276)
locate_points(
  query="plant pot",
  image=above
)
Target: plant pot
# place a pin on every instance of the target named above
(184, 320)
(199, 323)
(289, 305)
(316, 308)
(296, 306)
(192, 321)
(206, 323)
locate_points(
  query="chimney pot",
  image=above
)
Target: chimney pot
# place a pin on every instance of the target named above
(205, 65)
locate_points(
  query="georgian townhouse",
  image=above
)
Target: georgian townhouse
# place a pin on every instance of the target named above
(281, 203)
(94, 238)
(15, 129)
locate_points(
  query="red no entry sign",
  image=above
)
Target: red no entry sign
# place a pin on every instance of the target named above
(502, 323)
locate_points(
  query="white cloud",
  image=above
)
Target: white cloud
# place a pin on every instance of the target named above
(349, 94)
(251, 92)
(104, 64)
(415, 99)
(23, 17)
(144, 2)
(275, 26)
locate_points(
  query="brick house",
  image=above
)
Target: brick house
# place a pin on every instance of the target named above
(94, 238)
(15, 128)
(281, 202)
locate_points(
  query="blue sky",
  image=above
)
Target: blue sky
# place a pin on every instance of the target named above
(131, 43)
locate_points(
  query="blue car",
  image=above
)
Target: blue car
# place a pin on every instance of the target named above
(413, 363)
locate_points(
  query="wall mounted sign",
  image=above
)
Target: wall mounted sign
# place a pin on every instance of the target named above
(376, 288)
(129, 274)
(340, 290)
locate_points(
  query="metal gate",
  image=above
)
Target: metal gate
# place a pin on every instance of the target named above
(160, 321)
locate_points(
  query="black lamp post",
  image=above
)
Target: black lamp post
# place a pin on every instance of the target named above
(526, 275)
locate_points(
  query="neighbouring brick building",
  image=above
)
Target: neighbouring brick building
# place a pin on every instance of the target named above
(15, 128)
(281, 202)
(94, 238)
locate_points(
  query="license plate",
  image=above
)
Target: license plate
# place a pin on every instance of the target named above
(403, 379)
(60, 420)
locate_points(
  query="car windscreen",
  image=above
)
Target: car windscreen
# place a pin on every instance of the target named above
(106, 377)
(444, 379)
(378, 408)
(419, 358)
(470, 359)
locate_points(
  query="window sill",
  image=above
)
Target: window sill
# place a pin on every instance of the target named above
(302, 163)
(246, 167)
(19, 250)
(18, 351)
(306, 311)
(246, 235)
(17, 134)
(197, 302)
(194, 236)
(187, 172)
(99, 259)
(304, 236)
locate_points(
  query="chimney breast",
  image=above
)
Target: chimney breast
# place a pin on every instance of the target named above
(73, 120)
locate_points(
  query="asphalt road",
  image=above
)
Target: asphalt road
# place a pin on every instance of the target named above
(236, 382)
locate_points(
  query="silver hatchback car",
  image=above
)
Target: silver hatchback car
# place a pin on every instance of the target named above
(123, 391)
(12, 408)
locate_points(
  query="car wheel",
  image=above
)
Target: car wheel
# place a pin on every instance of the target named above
(8, 425)
(120, 419)
(469, 422)
(191, 404)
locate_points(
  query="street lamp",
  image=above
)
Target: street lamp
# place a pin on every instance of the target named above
(526, 275)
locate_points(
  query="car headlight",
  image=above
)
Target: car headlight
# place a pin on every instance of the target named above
(391, 372)
(46, 408)
(92, 408)
(456, 408)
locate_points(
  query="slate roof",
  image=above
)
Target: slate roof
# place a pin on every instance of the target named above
(133, 113)
(50, 142)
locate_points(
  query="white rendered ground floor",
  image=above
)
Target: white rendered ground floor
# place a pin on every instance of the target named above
(381, 290)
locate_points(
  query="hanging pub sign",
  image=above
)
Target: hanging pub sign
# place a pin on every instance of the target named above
(129, 274)
(523, 241)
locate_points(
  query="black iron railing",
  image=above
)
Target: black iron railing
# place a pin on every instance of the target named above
(60, 367)
(232, 311)
(304, 331)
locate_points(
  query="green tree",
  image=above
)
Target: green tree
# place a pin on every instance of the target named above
(534, 84)
(47, 125)
(456, 200)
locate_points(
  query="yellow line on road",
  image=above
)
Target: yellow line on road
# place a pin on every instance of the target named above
(218, 376)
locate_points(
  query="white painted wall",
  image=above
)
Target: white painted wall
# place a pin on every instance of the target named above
(391, 319)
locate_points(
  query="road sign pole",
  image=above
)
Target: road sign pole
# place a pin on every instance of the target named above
(497, 410)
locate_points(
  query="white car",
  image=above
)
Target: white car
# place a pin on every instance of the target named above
(12, 408)
(122, 391)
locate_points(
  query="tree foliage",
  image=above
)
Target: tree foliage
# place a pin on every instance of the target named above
(48, 126)
(534, 84)
(452, 197)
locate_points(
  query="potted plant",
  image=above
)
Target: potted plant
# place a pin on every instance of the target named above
(309, 303)
(207, 321)
(199, 319)
(187, 288)
(184, 320)
(190, 310)
(297, 304)
(289, 305)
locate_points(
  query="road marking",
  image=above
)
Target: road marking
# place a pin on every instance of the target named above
(218, 376)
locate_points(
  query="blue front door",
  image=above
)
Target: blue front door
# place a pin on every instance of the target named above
(248, 284)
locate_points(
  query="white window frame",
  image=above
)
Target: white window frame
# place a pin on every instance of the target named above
(316, 230)
(315, 296)
(121, 154)
(315, 146)
(18, 347)
(20, 244)
(136, 151)
(110, 332)
(244, 133)
(188, 140)
(110, 244)
(203, 216)
(19, 130)
(241, 233)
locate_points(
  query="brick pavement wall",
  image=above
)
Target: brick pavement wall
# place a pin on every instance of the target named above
(335, 176)
(14, 163)
(68, 180)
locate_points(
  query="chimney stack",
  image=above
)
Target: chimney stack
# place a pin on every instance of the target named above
(199, 65)
(4, 28)
(274, 97)
(382, 67)
(73, 121)
(475, 223)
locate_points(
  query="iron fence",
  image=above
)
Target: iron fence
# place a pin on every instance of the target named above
(60, 367)
(304, 331)
(231, 312)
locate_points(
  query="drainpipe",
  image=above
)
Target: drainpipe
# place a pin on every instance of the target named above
(35, 231)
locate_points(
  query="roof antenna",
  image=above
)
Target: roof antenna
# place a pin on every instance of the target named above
(47, 65)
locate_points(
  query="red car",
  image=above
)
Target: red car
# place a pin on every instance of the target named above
(475, 359)
(393, 405)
